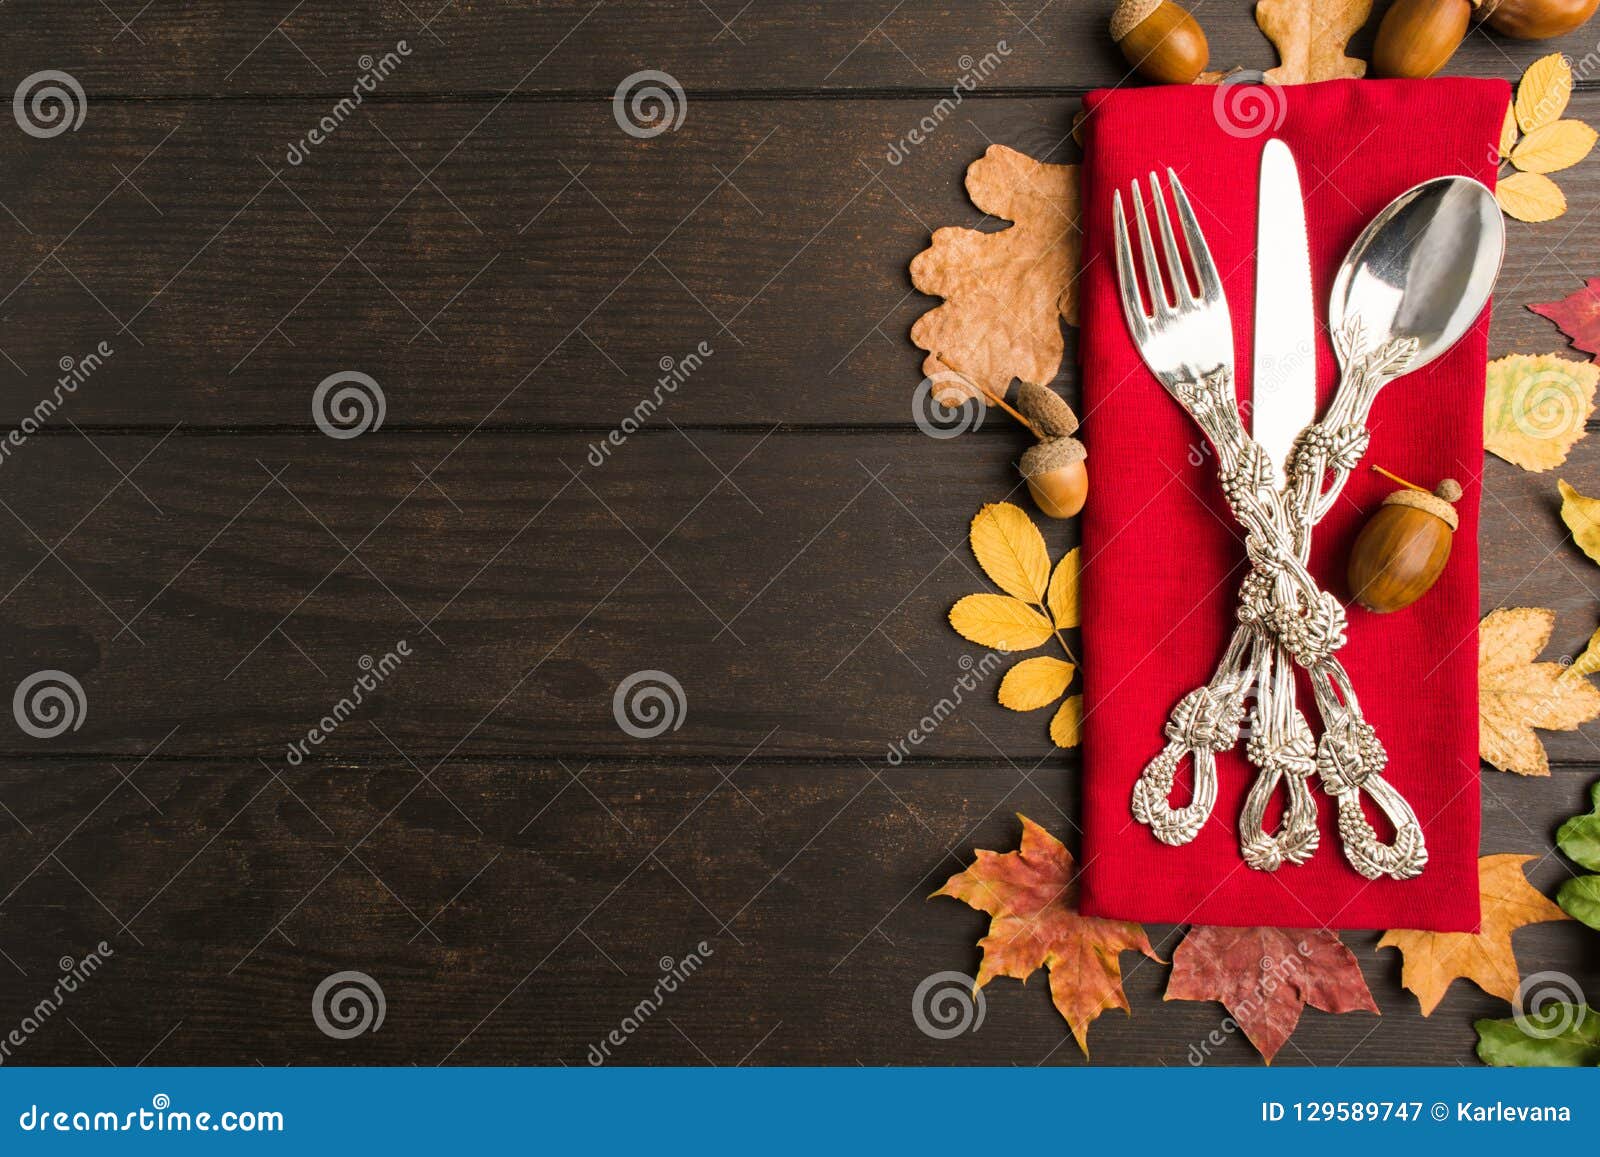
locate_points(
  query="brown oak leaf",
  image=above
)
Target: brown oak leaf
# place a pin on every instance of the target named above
(1433, 959)
(1265, 977)
(1516, 694)
(1577, 315)
(1005, 292)
(1310, 36)
(1031, 896)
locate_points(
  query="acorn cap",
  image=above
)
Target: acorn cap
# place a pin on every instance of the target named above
(1129, 15)
(1050, 455)
(1436, 504)
(1046, 410)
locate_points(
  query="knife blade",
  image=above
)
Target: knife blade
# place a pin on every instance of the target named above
(1283, 398)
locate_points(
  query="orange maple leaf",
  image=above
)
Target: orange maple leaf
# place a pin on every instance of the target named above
(1031, 895)
(1265, 977)
(1433, 959)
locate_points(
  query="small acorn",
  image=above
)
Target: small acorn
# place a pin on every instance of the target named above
(1417, 37)
(1403, 548)
(1535, 19)
(1160, 40)
(1055, 469)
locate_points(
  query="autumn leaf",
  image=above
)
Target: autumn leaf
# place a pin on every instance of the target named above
(1557, 1035)
(1588, 662)
(1067, 727)
(1431, 960)
(1577, 315)
(1000, 621)
(1035, 683)
(1534, 408)
(1062, 597)
(1580, 899)
(1579, 837)
(1516, 694)
(1310, 36)
(1553, 147)
(1006, 292)
(1508, 131)
(1031, 896)
(1011, 551)
(1582, 516)
(1530, 197)
(1543, 92)
(1265, 977)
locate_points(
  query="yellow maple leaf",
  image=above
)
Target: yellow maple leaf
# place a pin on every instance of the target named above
(1531, 197)
(1534, 408)
(1543, 92)
(1310, 36)
(1582, 516)
(1035, 683)
(1000, 621)
(1431, 960)
(1011, 551)
(1517, 694)
(1553, 147)
(1063, 595)
(1067, 726)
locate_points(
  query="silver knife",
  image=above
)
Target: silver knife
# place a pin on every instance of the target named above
(1283, 398)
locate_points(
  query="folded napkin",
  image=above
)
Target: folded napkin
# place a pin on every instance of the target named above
(1162, 556)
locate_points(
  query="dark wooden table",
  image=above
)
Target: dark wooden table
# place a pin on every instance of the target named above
(481, 238)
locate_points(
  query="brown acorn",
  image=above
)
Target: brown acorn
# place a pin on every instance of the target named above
(1403, 548)
(1161, 41)
(1054, 469)
(1535, 19)
(1417, 37)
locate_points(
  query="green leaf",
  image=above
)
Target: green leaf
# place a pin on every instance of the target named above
(1557, 1035)
(1579, 837)
(1580, 899)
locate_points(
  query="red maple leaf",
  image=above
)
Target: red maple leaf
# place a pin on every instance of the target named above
(1578, 315)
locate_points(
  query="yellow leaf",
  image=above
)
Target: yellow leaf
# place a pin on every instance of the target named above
(1035, 683)
(1517, 694)
(1544, 91)
(1063, 597)
(1011, 551)
(1508, 131)
(1531, 197)
(1588, 662)
(1065, 727)
(1001, 622)
(1582, 516)
(1553, 147)
(1534, 408)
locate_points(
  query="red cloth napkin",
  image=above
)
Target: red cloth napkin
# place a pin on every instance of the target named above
(1162, 557)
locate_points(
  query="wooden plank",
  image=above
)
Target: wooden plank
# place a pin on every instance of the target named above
(551, 270)
(797, 587)
(579, 46)
(526, 925)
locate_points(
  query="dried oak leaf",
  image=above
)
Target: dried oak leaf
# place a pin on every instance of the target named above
(1582, 516)
(1433, 959)
(1006, 292)
(1534, 408)
(1516, 694)
(1577, 315)
(1265, 977)
(1031, 896)
(1310, 36)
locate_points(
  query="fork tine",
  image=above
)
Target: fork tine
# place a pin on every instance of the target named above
(1127, 280)
(1159, 305)
(1180, 280)
(1205, 270)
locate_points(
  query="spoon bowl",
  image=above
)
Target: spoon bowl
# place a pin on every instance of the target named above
(1423, 268)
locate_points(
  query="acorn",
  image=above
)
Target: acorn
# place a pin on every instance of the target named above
(1535, 19)
(1403, 548)
(1055, 469)
(1160, 40)
(1417, 37)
